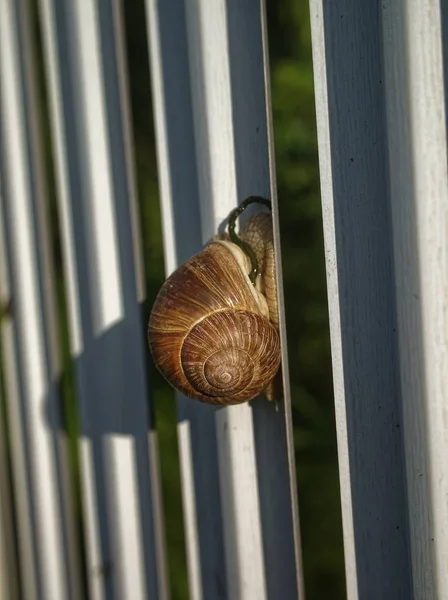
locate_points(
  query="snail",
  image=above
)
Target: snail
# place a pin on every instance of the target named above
(213, 328)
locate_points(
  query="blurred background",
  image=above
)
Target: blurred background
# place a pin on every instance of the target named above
(305, 293)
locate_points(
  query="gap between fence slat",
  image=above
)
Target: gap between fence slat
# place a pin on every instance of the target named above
(287, 407)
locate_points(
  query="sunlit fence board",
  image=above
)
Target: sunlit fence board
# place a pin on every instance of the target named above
(355, 199)
(415, 40)
(90, 128)
(211, 124)
(32, 370)
(382, 142)
(182, 238)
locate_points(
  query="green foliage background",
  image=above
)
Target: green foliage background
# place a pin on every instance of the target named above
(305, 293)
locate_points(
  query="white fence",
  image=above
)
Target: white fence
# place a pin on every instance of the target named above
(209, 79)
(380, 94)
(379, 74)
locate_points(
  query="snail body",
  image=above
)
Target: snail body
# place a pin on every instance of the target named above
(212, 332)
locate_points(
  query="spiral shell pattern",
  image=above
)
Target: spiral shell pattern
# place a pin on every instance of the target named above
(231, 353)
(209, 330)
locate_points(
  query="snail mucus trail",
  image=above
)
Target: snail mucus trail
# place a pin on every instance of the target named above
(213, 329)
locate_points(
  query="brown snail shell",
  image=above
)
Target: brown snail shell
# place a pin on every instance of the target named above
(212, 334)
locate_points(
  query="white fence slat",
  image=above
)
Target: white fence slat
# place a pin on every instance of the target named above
(87, 86)
(229, 106)
(15, 423)
(352, 135)
(209, 54)
(173, 122)
(416, 124)
(218, 45)
(39, 455)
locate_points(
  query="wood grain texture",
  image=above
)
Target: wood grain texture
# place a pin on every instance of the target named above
(415, 85)
(353, 154)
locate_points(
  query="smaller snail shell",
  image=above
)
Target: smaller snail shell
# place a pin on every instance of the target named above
(209, 330)
(259, 234)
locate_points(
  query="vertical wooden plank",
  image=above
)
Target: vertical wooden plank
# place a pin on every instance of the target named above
(207, 68)
(210, 75)
(417, 136)
(18, 441)
(347, 56)
(178, 182)
(46, 547)
(85, 67)
(229, 102)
